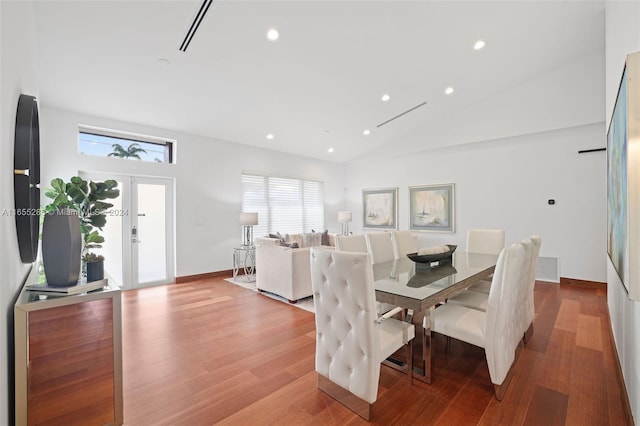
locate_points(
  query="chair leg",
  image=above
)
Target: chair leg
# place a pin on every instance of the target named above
(501, 389)
(344, 397)
(410, 361)
(528, 334)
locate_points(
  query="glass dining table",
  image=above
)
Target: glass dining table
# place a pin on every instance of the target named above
(419, 287)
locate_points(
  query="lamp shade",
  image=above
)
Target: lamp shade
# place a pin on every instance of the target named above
(248, 218)
(344, 216)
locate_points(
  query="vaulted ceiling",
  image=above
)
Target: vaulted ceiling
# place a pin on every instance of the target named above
(319, 86)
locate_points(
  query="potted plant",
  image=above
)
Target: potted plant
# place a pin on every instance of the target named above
(95, 266)
(87, 200)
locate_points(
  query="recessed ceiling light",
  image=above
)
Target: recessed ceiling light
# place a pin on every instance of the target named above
(448, 90)
(273, 34)
(385, 97)
(479, 45)
(366, 132)
(330, 150)
(270, 136)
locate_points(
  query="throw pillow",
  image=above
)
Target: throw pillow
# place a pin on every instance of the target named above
(324, 239)
(277, 235)
(312, 239)
(295, 238)
(289, 245)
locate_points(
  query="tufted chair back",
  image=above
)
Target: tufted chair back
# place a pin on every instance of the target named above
(347, 342)
(351, 243)
(502, 327)
(403, 243)
(380, 247)
(490, 241)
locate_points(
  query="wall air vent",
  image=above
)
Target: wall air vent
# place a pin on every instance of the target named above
(548, 269)
(401, 114)
(195, 24)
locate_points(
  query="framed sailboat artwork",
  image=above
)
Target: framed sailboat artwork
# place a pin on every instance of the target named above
(431, 208)
(380, 208)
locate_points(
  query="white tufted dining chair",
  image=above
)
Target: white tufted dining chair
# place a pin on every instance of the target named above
(351, 341)
(380, 247)
(498, 329)
(528, 311)
(479, 300)
(351, 243)
(359, 244)
(490, 241)
(403, 243)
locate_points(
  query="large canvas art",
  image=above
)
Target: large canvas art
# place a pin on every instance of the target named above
(617, 186)
(379, 208)
(623, 180)
(432, 208)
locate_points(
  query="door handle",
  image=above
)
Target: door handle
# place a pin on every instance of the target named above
(134, 235)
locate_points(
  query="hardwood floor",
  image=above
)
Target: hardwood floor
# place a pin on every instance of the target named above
(208, 352)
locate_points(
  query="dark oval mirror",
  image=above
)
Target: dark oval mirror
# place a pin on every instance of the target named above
(26, 178)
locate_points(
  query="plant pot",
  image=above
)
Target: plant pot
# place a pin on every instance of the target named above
(95, 271)
(61, 247)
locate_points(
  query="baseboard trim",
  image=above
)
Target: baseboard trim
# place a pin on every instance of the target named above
(626, 402)
(228, 273)
(582, 283)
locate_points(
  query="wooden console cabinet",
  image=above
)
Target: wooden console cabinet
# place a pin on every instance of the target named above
(68, 357)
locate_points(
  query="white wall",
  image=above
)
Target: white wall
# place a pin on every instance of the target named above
(622, 38)
(506, 184)
(207, 176)
(18, 74)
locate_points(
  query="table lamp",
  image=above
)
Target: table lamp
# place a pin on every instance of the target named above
(345, 218)
(247, 220)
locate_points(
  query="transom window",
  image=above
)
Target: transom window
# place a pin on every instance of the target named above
(284, 205)
(104, 143)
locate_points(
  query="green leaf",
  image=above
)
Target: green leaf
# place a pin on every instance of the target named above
(94, 237)
(58, 185)
(101, 206)
(98, 221)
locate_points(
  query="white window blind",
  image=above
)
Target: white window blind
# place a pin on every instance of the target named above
(284, 205)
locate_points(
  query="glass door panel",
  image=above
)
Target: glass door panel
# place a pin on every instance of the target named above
(152, 242)
(112, 233)
(116, 254)
(151, 231)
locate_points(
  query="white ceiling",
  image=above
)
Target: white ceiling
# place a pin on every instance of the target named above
(319, 85)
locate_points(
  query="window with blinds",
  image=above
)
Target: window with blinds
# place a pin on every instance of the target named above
(284, 205)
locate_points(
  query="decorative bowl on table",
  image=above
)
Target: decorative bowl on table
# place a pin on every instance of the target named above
(435, 257)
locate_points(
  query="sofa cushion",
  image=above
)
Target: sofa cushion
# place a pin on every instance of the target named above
(266, 241)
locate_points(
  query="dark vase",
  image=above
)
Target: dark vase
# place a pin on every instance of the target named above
(95, 271)
(61, 247)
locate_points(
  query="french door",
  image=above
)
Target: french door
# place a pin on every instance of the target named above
(139, 235)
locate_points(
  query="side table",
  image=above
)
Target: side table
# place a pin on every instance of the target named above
(244, 257)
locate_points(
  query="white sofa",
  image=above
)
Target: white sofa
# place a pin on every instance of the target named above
(284, 271)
